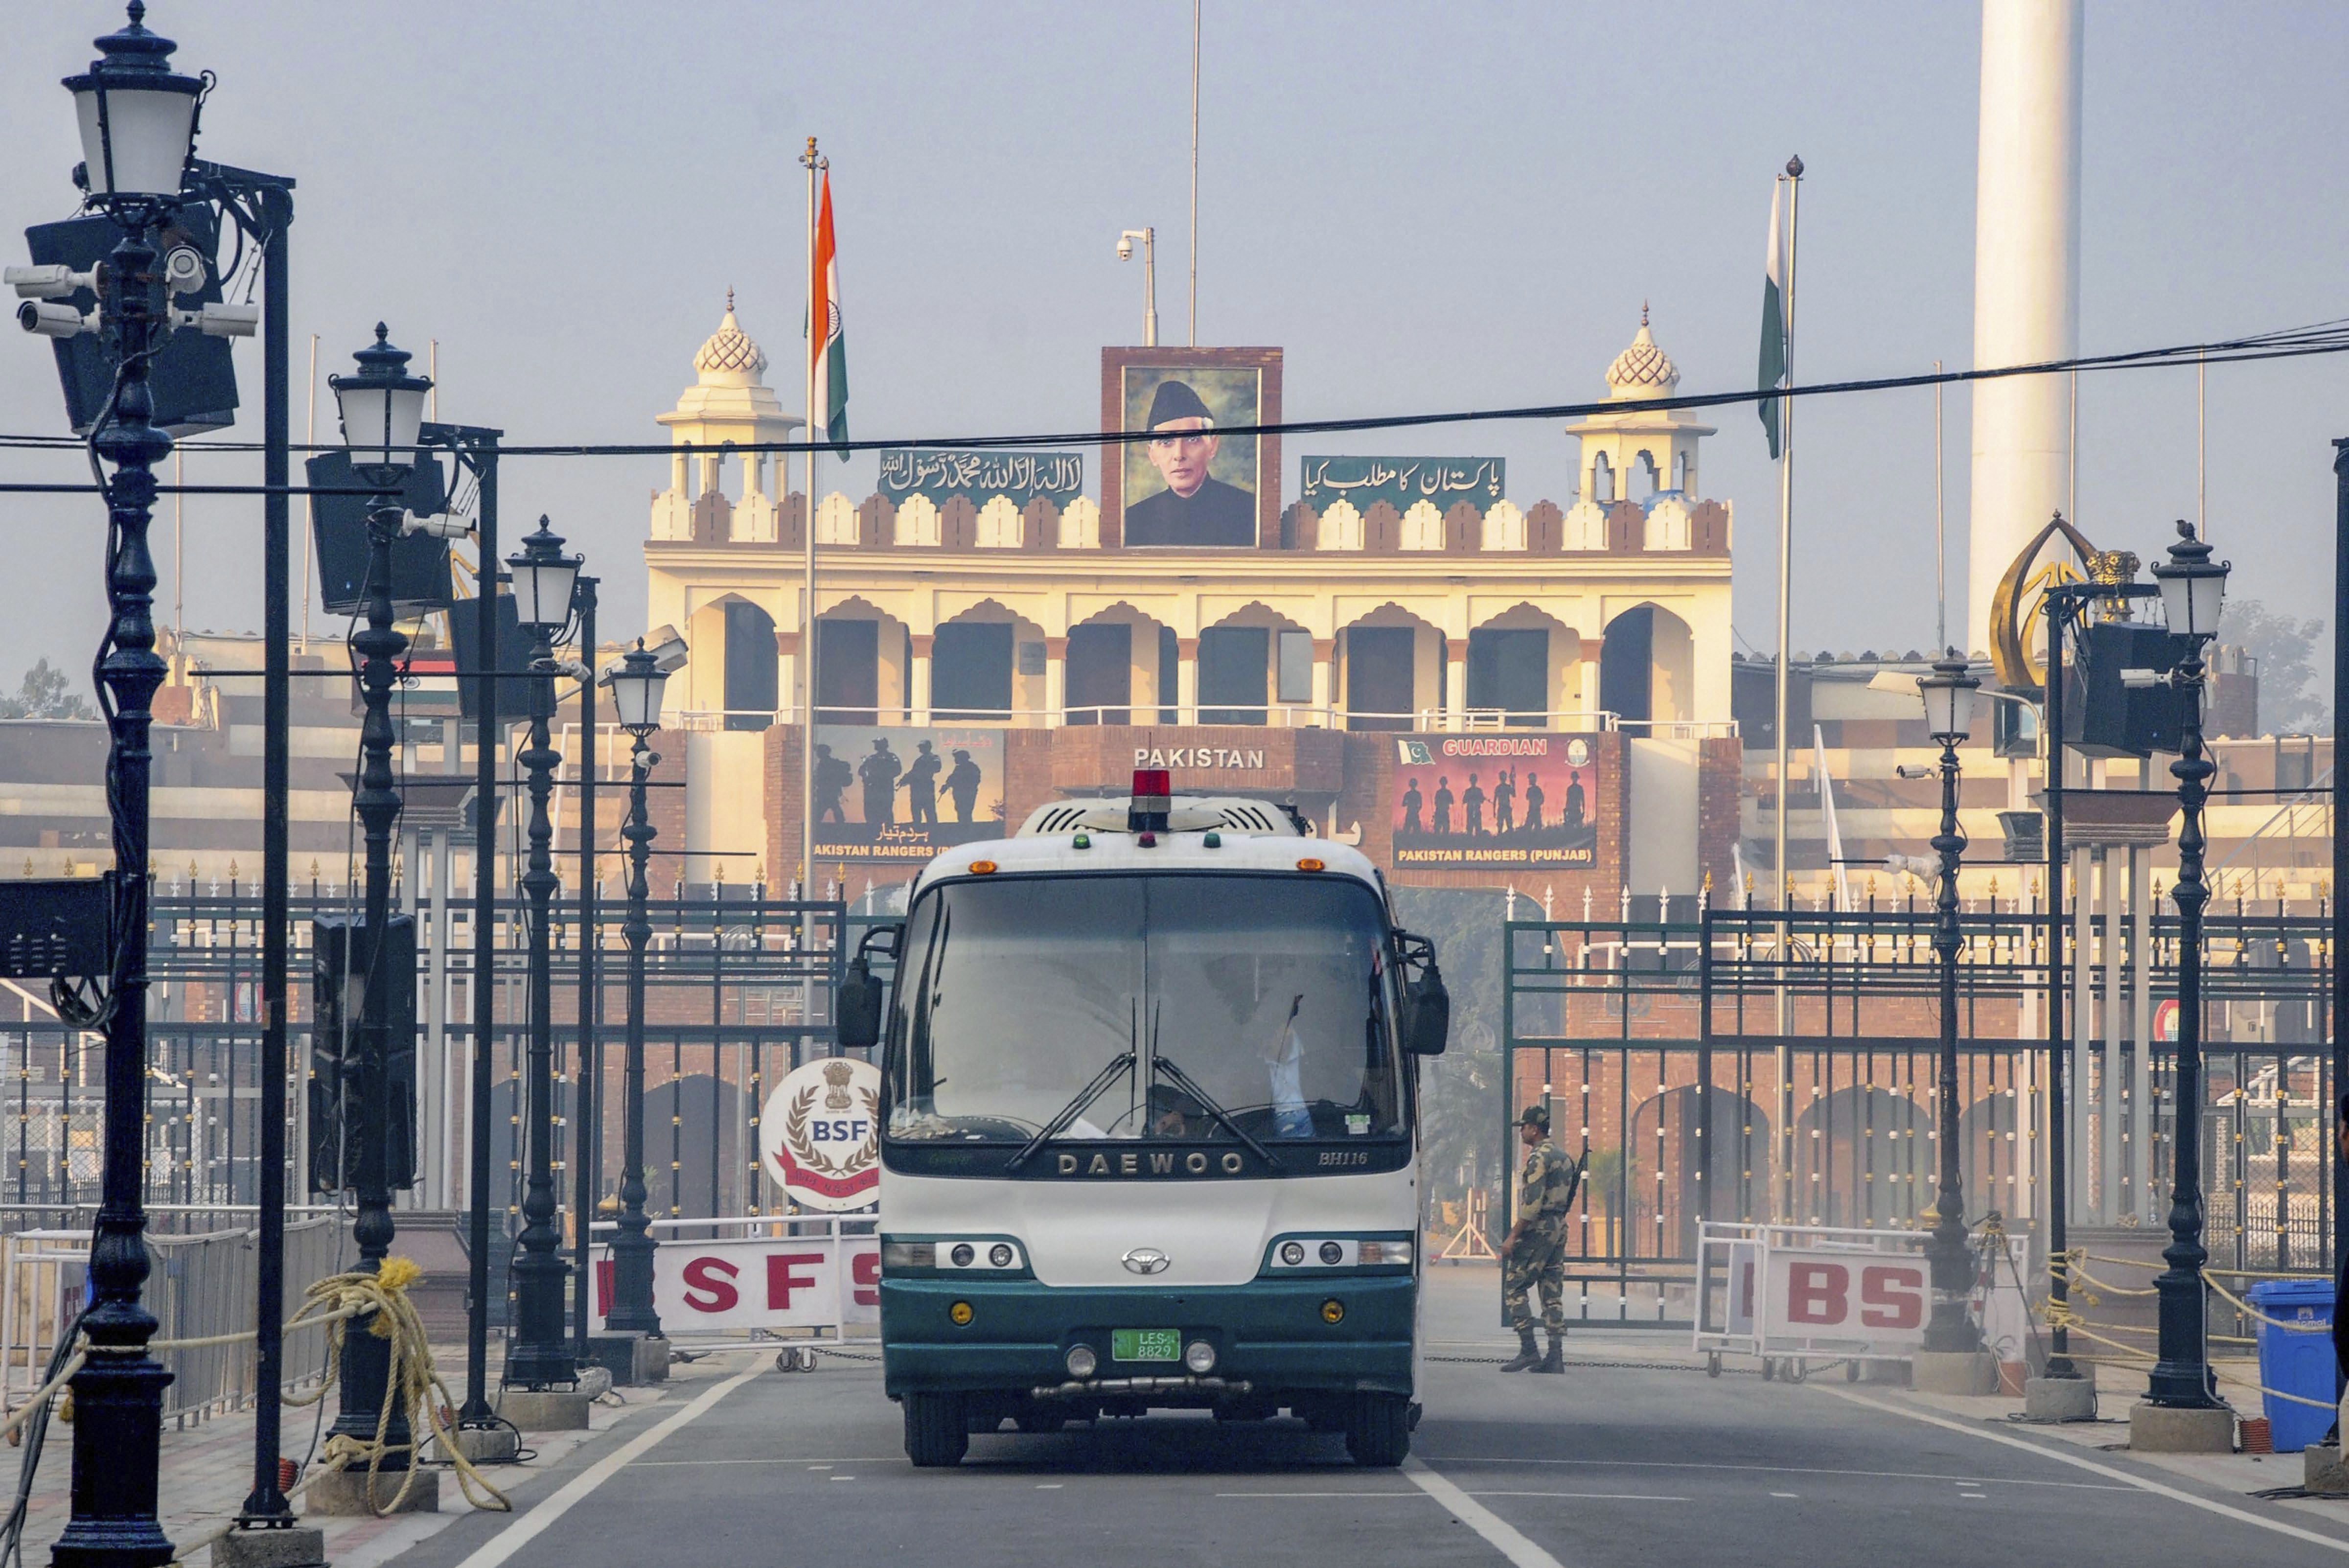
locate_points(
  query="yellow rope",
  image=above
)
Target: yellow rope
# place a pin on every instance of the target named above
(382, 1299)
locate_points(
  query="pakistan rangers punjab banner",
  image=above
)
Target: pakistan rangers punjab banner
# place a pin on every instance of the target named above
(902, 792)
(1496, 801)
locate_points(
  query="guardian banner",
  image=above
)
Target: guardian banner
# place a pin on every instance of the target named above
(1497, 801)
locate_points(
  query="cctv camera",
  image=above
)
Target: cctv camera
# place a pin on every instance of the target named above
(1125, 249)
(47, 318)
(54, 282)
(442, 526)
(1911, 771)
(221, 320)
(183, 270)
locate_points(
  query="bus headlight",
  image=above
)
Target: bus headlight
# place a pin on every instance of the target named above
(1199, 1357)
(1082, 1361)
(909, 1254)
(962, 1254)
(1292, 1253)
(1001, 1255)
(1331, 1253)
(1383, 1252)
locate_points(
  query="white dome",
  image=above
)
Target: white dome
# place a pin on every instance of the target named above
(729, 356)
(1642, 371)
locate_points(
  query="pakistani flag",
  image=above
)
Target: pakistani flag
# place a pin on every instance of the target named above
(1773, 321)
(830, 414)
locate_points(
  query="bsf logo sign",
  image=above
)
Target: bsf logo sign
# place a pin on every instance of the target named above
(820, 1135)
(1867, 1298)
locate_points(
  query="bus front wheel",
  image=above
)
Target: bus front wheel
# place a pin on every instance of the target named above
(1378, 1430)
(937, 1431)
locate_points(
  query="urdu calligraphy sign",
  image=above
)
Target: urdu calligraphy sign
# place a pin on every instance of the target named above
(938, 474)
(1400, 481)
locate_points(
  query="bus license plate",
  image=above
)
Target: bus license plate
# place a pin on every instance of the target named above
(1145, 1345)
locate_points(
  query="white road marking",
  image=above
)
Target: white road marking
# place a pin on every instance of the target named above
(530, 1525)
(1412, 1495)
(1588, 1496)
(1787, 1471)
(1047, 1486)
(1498, 1533)
(772, 1460)
(2225, 1510)
(1792, 1494)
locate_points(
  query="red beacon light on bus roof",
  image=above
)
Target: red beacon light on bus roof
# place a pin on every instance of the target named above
(1146, 812)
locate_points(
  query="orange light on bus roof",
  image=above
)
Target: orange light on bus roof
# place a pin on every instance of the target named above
(982, 868)
(1310, 864)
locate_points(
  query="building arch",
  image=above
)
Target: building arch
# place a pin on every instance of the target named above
(1862, 1157)
(1390, 667)
(1118, 663)
(1738, 1161)
(1602, 479)
(1647, 667)
(987, 662)
(1521, 666)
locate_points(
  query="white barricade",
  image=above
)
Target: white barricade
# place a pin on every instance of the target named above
(1792, 1294)
(751, 1282)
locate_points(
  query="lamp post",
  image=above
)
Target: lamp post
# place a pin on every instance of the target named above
(636, 686)
(382, 408)
(545, 583)
(2193, 591)
(138, 122)
(1949, 697)
(1149, 238)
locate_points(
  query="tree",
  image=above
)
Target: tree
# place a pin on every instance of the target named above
(2286, 650)
(43, 695)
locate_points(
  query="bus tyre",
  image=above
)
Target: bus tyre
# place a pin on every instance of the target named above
(1378, 1430)
(936, 1434)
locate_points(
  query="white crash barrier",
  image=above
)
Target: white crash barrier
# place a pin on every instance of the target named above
(1795, 1294)
(750, 1283)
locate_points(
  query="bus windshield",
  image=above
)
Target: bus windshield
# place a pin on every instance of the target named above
(1210, 1006)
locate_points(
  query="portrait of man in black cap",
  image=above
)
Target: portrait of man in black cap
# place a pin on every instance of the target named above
(1195, 508)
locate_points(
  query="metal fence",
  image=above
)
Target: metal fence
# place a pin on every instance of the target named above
(1740, 1065)
(203, 1285)
(738, 991)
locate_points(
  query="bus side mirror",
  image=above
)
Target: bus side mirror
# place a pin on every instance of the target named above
(1427, 1021)
(857, 1018)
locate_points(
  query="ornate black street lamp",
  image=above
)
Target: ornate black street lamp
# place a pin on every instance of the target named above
(637, 685)
(138, 128)
(545, 583)
(382, 408)
(2193, 592)
(1949, 697)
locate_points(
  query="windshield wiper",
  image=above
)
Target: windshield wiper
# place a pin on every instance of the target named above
(1073, 1109)
(1190, 1085)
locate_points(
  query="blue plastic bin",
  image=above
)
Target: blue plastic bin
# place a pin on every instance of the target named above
(2296, 1360)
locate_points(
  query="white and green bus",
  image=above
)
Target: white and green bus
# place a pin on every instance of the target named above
(1149, 1135)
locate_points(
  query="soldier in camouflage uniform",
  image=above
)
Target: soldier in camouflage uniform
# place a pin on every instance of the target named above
(1534, 1255)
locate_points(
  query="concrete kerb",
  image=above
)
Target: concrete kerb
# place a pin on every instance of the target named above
(2164, 1429)
(346, 1494)
(2321, 1471)
(301, 1546)
(1971, 1372)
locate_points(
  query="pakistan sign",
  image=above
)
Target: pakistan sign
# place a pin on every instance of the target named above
(1400, 481)
(1022, 476)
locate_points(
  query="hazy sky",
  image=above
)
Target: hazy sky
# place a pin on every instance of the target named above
(1427, 206)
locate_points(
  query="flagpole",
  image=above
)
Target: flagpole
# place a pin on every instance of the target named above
(816, 337)
(1785, 656)
(1940, 557)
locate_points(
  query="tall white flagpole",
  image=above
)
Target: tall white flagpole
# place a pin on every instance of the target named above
(815, 331)
(1195, 173)
(1940, 555)
(1786, 655)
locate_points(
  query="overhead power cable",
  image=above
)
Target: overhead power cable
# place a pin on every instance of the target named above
(2288, 343)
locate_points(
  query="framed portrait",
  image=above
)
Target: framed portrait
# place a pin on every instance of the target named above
(1195, 484)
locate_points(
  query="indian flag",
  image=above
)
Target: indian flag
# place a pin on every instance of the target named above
(830, 414)
(1774, 320)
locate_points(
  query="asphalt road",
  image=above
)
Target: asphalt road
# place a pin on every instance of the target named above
(1612, 1465)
